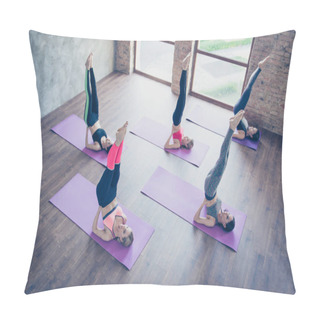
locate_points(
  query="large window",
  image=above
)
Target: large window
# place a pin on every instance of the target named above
(155, 59)
(219, 70)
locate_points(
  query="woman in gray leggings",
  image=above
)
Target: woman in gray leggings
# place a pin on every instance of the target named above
(215, 215)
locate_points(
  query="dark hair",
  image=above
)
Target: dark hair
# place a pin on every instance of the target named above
(230, 225)
(256, 136)
(127, 241)
(108, 148)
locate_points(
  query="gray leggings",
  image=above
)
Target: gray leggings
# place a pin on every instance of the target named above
(214, 176)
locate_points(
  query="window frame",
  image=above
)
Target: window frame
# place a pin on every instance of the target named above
(146, 74)
(215, 56)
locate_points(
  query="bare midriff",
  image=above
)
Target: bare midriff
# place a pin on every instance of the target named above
(212, 202)
(109, 207)
(95, 127)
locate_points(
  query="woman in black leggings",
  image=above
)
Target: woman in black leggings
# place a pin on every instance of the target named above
(114, 220)
(91, 112)
(179, 140)
(244, 130)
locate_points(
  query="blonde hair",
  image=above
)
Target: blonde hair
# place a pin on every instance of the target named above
(189, 145)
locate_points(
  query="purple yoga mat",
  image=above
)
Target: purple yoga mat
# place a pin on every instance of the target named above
(78, 201)
(73, 129)
(184, 200)
(248, 142)
(217, 123)
(157, 134)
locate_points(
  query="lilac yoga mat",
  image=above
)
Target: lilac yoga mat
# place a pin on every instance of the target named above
(248, 142)
(158, 134)
(217, 124)
(73, 129)
(184, 200)
(78, 201)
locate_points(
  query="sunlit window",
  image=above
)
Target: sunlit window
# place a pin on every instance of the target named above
(220, 69)
(238, 50)
(155, 58)
(218, 72)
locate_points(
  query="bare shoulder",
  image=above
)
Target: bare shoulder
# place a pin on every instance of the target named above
(94, 146)
(104, 234)
(239, 135)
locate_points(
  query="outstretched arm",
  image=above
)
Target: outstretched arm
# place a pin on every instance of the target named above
(208, 220)
(95, 146)
(101, 233)
(239, 135)
(174, 145)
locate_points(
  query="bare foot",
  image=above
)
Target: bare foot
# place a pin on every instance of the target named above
(120, 134)
(261, 63)
(88, 63)
(124, 127)
(234, 121)
(91, 57)
(186, 61)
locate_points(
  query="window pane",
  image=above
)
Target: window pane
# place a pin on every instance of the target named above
(238, 49)
(155, 58)
(218, 79)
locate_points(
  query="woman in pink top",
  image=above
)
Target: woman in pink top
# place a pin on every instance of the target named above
(179, 140)
(114, 219)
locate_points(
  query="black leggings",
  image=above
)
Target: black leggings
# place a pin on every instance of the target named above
(177, 115)
(91, 110)
(241, 104)
(107, 187)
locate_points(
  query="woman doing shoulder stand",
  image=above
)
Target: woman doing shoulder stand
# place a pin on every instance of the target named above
(91, 112)
(114, 219)
(215, 215)
(243, 128)
(179, 140)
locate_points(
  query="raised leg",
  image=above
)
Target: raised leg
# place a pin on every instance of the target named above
(241, 104)
(95, 102)
(88, 104)
(91, 111)
(104, 191)
(215, 174)
(114, 155)
(177, 115)
(116, 176)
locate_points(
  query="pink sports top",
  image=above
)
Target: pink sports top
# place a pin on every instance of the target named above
(108, 219)
(178, 135)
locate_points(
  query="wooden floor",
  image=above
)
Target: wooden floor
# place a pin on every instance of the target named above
(177, 253)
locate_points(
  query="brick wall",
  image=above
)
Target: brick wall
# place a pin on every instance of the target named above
(124, 56)
(181, 49)
(266, 105)
(267, 101)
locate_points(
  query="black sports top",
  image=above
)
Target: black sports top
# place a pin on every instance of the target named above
(98, 134)
(243, 125)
